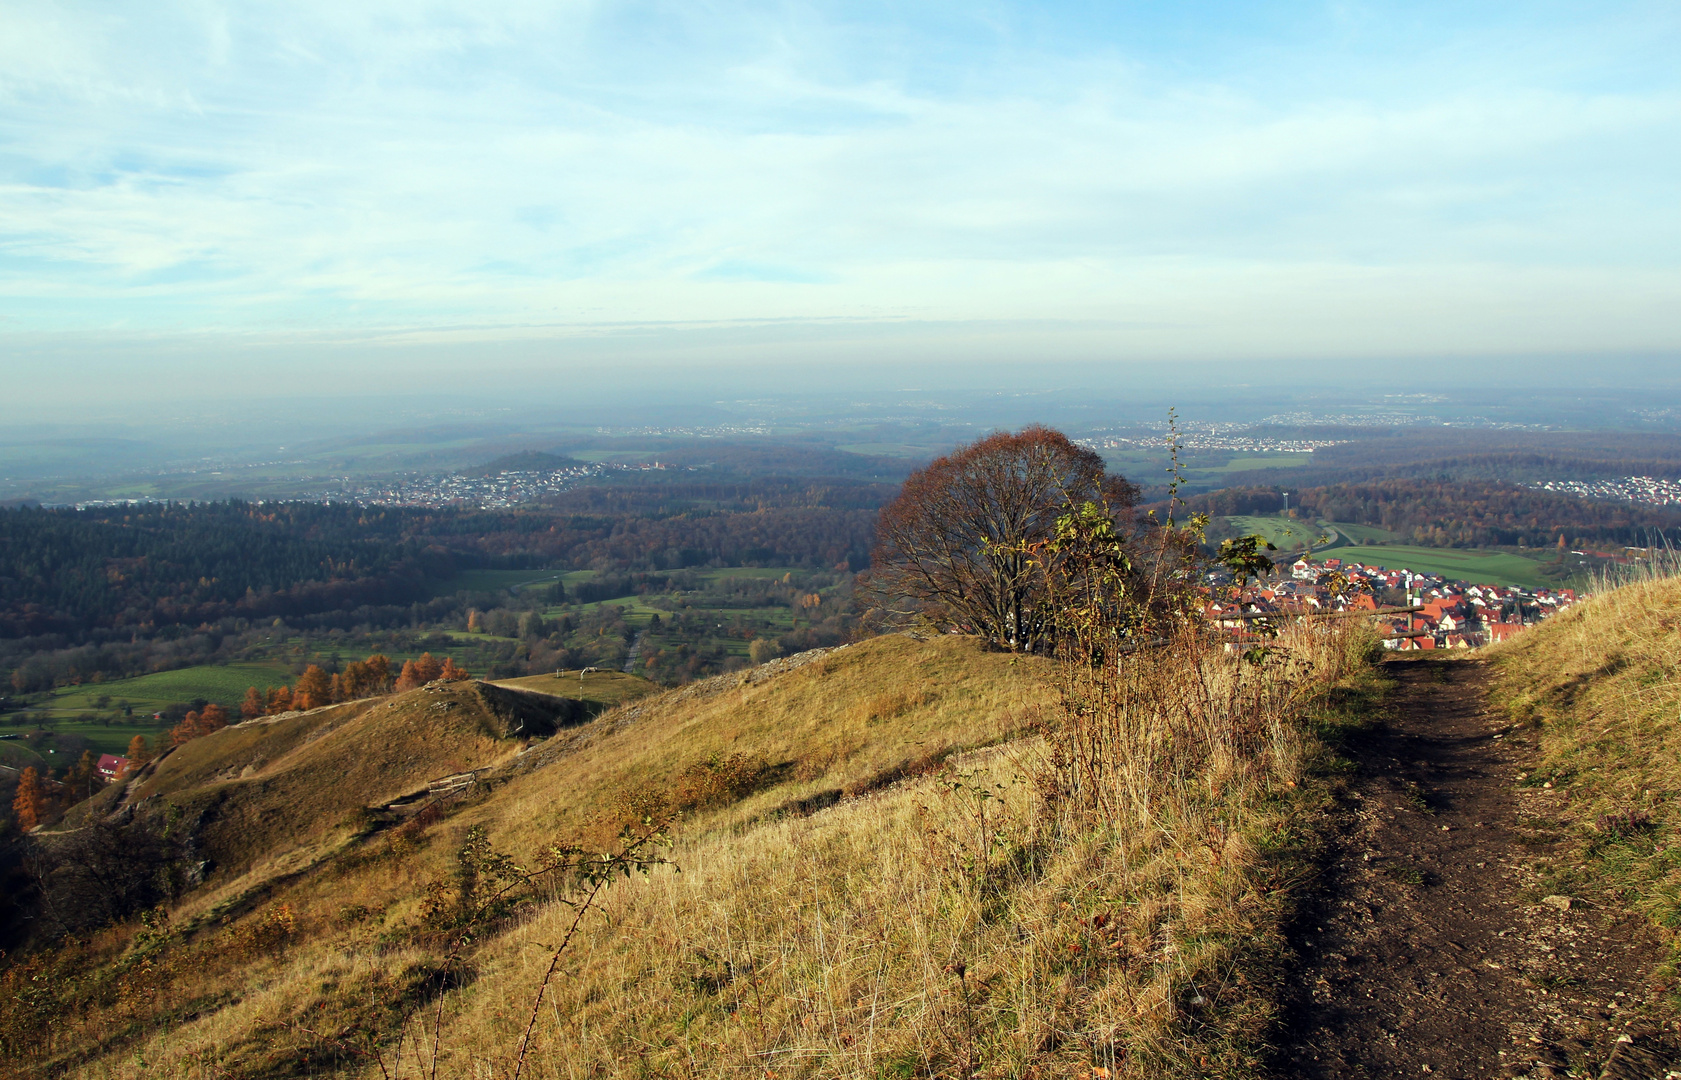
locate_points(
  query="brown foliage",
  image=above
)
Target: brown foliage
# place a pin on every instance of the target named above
(428, 668)
(197, 724)
(409, 679)
(959, 546)
(313, 689)
(280, 700)
(138, 753)
(30, 804)
(721, 779)
(252, 706)
(361, 678)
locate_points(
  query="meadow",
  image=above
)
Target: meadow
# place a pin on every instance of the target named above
(1475, 565)
(1284, 532)
(1373, 546)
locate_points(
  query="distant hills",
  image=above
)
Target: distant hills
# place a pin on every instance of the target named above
(525, 461)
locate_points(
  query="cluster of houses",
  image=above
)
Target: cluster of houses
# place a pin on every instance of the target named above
(1426, 611)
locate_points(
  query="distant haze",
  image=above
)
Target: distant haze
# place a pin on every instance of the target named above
(213, 204)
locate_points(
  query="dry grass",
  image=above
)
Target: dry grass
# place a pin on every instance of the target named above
(1602, 682)
(603, 687)
(965, 921)
(275, 786)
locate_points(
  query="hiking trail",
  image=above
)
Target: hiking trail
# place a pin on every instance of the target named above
(1429, 947)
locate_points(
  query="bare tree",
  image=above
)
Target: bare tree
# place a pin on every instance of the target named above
(962, 544)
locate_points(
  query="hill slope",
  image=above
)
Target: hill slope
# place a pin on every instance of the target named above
(873, 882)
(1602, 682)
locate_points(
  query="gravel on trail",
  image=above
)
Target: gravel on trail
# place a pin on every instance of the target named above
(1431, 946)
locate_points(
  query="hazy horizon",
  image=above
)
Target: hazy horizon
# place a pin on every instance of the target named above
(205, 204)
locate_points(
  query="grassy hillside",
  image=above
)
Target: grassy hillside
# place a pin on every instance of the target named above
(1602, 682)
(600, 688)
(877, 866)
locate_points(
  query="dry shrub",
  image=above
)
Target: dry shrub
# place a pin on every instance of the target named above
(263, 934)
(1143, 737)
(721, 779)
(640, 802)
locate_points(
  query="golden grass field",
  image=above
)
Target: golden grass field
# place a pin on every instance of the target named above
(868, 876)
(1602, 682)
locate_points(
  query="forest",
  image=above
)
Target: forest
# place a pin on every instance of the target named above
(109, 593)
(1461, 514)
(1461, 454)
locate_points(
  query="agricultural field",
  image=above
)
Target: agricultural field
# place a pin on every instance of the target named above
(221, 683)
(102, 735)
(1481, 566)
(96, 711)
(1203, 470)
(502, 580)
(1358, 533)
(1283, 532)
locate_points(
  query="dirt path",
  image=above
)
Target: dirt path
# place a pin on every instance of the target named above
(1431, 949)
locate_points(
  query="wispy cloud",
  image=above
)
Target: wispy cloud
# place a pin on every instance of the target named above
(1315, 181)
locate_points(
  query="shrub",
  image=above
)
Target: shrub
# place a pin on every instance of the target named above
(721, 779)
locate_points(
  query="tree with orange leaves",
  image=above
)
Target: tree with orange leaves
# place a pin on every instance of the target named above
(427, 668)
(138, 753)
(450, 673)
(30, 803)
(279, 700)
(409, 679)
(313, 689)
(252, 707)
(186, 731)
(214, 718)
(379, 673)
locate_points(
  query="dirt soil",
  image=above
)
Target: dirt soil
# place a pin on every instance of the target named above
(1431, 947)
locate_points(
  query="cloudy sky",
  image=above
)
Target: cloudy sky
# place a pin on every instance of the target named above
(196, 194)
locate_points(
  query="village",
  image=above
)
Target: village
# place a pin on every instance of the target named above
(1415, 611)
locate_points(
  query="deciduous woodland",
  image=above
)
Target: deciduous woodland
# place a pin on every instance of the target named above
(1442, 513)
(118, 592)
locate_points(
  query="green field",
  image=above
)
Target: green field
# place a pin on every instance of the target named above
(1284, 532)
(1364, 532)
(225, 684)
(604, 687)
(1479, 567)
(15, 754)
(77, 710)
(498, 580)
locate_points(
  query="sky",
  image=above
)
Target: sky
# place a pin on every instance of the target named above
(209, 200)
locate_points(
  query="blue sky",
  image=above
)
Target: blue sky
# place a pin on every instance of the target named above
(196, 194)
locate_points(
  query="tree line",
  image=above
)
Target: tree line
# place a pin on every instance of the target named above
(117, 592)
(1442, 513)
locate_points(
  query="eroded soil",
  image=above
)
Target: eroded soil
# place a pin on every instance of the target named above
(1433, 947)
